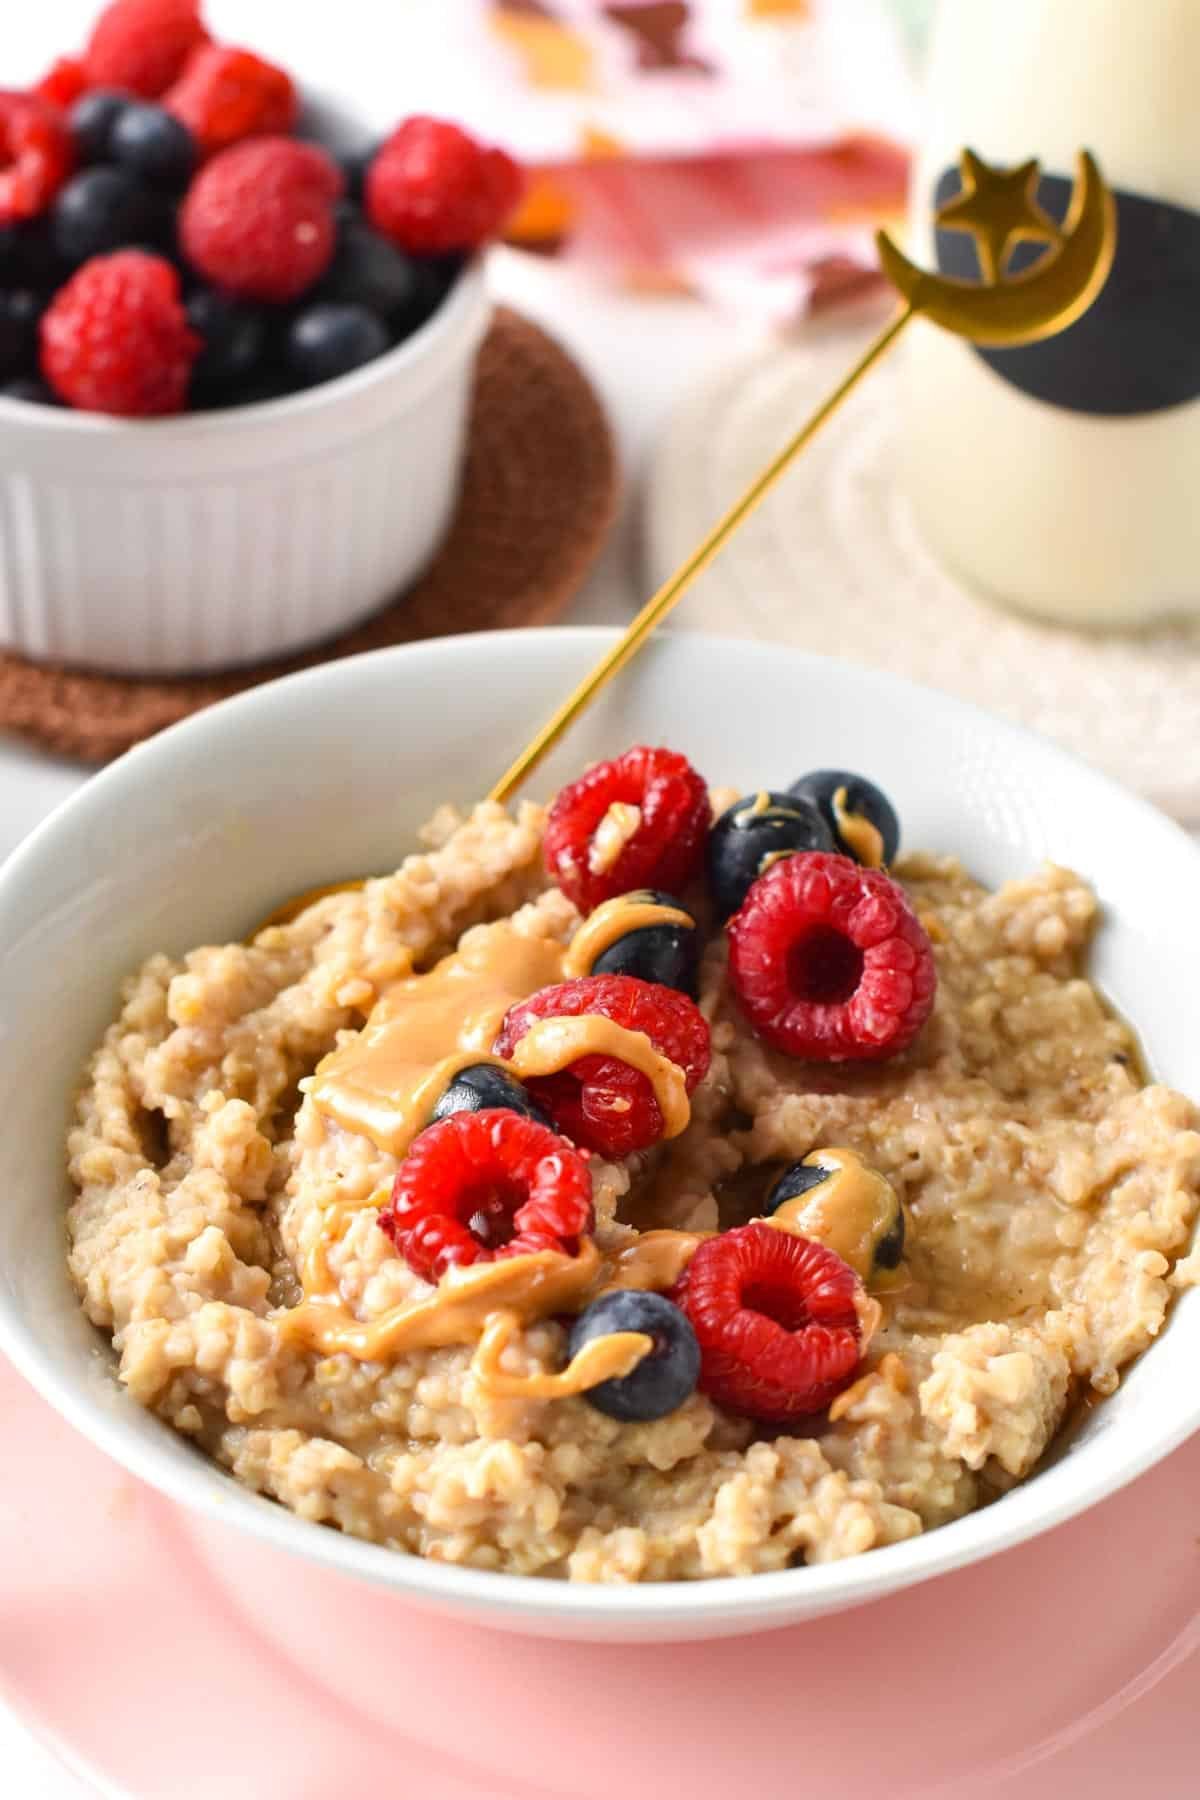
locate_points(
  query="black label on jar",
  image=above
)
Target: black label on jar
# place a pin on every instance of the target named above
(1137, 348)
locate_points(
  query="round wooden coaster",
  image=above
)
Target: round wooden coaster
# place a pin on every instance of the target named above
(539, 493)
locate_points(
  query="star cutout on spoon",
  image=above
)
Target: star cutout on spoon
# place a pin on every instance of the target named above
(998, 207)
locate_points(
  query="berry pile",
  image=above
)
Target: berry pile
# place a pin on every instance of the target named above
(167, 243)
(828, 963)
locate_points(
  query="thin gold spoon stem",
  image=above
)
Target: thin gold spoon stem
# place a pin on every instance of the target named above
(676, 585)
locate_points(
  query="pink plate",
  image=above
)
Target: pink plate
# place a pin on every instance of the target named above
(176, 1659)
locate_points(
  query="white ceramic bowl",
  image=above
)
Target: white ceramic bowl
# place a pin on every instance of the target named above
(196, 835)
(157, 546)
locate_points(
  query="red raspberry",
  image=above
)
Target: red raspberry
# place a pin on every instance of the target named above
(665, 848)
(225, 94)
(776, 1319)
(116, 339)
(829, 961)
(258, 219)
(599, 1101)
(141, 46)
(36, 155)
(432, 188)
(478, 1186)
(62, 83)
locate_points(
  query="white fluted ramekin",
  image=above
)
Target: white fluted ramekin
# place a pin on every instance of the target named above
(196, 543)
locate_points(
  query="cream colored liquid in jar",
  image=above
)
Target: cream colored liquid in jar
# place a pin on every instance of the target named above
(1062, 478)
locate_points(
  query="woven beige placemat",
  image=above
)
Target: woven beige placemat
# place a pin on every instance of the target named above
(539, 493)
(833, 561)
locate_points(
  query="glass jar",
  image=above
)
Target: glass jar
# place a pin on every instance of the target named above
(1064, 478)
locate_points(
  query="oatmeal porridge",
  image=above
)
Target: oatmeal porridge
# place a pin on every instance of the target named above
(651, 1188)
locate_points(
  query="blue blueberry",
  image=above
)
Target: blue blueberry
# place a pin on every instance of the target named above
(888, 1232)
(101, 210)
(861, 800)
(368, 271)
(890, 1247)
(30, 388)
(667, 954)
(19, 314)
(153, 146)
(233, 336)
(799, 1179)
(664, 1378)
(270, 385)
(448, 267)
(444, 271)
(354, 166)
(28, 258)
(483, 1086)
(92, 120)
(750, 833)
(328, 340)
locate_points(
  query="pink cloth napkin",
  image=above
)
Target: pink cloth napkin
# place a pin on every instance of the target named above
(742, 150)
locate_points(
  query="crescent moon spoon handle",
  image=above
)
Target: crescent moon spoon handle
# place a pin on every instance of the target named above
(675, 587)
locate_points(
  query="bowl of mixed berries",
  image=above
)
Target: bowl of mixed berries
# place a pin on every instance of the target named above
(235, 361)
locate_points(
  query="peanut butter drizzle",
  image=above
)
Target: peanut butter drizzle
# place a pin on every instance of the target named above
(619, 824)
(553, 1044)
(870, 1318)
(383, 1084)
(461, 1307)
(763, 803)
(858, 834)
(426, 1028)
(614, 920)
(605, 1358)
(850, 1212)
(456, 1312)
(655, 1260)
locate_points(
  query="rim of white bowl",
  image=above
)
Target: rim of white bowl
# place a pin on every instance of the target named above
(1012, 1520)
(463, 304)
